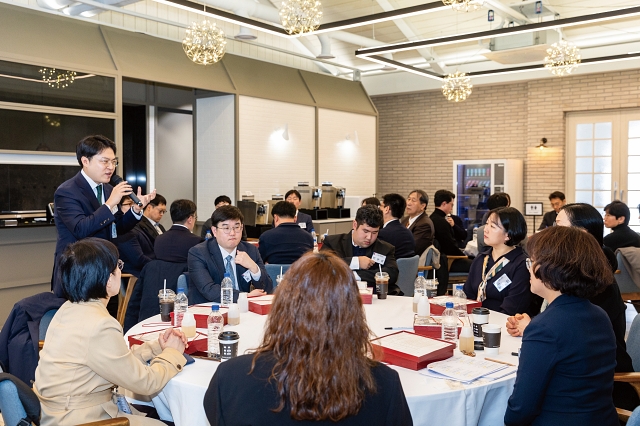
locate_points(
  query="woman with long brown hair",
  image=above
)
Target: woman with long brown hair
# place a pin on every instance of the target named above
(313, 363)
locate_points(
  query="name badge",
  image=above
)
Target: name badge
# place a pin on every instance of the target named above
(378, 258)
(502, 283)
(302, 225)
(247, 275)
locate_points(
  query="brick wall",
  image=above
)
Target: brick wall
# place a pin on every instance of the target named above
(420, 134)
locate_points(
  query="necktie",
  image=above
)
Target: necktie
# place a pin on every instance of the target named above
(99, 193)
(228, 268)
(158, 230)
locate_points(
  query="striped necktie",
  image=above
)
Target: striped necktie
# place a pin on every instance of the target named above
(99, 193)
(228, 268)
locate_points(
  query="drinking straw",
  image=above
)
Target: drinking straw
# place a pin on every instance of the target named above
(281, 271)
(164, 291)
(380, 266)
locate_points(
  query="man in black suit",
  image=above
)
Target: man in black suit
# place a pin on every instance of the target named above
(303, 220)
(226, 253)
(417, 221)
(174, 245)
(392, 207)
(616, 218)
(153, 213)
(557, 200)
(363, 251)
(87, 205)
(285, 243)
(443, 225)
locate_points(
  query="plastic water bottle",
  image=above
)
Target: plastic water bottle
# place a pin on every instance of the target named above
(215, 322)
(460, 298)
(449, 323)
(420, 284)
(226, 291)
(315, 240)
(208, 235)
(180, 307)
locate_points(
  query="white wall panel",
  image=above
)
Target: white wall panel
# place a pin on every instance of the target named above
(268, 163)
(342, 159)
(215, 127)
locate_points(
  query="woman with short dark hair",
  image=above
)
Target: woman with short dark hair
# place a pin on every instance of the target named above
(568, 353)
(313, 363)
(498, 276)
(85, 356)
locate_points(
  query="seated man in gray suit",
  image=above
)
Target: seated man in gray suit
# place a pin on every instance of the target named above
(225, 252)
(363, 251)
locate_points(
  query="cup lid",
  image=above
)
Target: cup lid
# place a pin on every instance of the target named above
(228, 335)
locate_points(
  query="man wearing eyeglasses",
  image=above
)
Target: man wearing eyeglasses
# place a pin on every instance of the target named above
(226, 252)
(152, 215)
(87, 206)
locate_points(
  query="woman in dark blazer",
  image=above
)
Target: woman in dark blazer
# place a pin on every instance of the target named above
(568, 353)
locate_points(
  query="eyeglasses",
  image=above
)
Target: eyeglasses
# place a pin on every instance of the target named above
(227, 230)
(529, 263)
(120, 264)
(105, 162)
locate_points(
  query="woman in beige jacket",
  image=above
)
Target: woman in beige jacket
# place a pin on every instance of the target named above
(85, 356)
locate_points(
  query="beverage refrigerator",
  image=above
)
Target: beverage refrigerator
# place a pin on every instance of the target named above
(475, 180)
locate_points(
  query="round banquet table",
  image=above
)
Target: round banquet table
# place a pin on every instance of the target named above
(431, 401)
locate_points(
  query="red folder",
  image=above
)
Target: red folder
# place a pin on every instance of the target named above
(198, 344)
(409, 361)
(434, 328)
(261, 305)
(437, 304)
(201, 313)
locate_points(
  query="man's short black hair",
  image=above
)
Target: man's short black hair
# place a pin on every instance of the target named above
(222, 199)
(369, 215)
(293, 192)
(92, 145)
(159, 199)
(422, 196)
(556, 194)
(618, 209)
(373, 201)
(226, 213)
(396, 204)
(181, 210)
(512, 221)
(499, 199)
(85, 267)
(284, 209)
(443, 196)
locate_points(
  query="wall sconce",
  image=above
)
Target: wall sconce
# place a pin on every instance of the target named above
(543, 144)
(285, 132)
(354, 138)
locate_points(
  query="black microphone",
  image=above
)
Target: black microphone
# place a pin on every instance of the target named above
(115, 179)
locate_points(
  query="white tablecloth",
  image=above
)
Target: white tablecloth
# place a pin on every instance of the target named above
(431, 401)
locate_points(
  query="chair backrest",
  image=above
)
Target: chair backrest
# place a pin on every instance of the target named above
(624, 279)
(274, 270)
(407, 272)
(633, 343)
(18, 401)
(44, 323)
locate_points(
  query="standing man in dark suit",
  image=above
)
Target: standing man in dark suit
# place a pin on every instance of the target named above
(174, 244)
(286, 242)
(87, 206)
(153, 213)
(363, 251)
(303, 220)
(225, 252)
(417, 221)
(443, 225)
(393, 232)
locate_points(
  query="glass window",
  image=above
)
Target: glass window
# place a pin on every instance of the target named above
(40, 85)
(36, 131)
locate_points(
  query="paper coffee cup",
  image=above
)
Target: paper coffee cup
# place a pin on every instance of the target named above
(491, 334)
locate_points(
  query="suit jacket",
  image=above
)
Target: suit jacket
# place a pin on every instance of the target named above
(284, 244)
(548, 220)
(444, 234)
(423, 231)
(400, 237)
(85, 355)
(143, 303)
(150, 230)
(174, 245)
(342, 245)
(78, 215)
(306, 219)
(206, 270)
(565, 374)
(136, 250)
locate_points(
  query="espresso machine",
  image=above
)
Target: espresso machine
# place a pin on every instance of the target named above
(276, 198)
(332, 199)
(254, 212)
(310, 201)
(304, 189)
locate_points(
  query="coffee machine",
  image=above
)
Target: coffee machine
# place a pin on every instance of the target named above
(306, 201)
(310, 201)
(333, 200)
(254, 212)
(276, 198)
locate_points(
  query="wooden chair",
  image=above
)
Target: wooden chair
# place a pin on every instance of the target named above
(123, 300)
(634, 380)
(118, 421)
(456, 277)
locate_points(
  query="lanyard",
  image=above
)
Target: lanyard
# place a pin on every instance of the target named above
(482, 289)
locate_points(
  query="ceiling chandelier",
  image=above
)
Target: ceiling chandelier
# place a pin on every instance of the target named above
(204, 43)
(464, 5)
(58, 79)
(300, 16)
(562, 58)
(457, 86)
